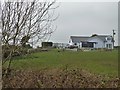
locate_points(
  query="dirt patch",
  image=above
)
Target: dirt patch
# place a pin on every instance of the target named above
(57, 78)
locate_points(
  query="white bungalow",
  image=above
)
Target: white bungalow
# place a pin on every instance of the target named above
(96, 41)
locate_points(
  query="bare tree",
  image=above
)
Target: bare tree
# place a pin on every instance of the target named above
(21, 22)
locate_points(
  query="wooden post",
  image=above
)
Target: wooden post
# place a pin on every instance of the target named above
(113, 37)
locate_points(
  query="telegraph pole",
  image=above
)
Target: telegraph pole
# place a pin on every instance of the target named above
(113, 37)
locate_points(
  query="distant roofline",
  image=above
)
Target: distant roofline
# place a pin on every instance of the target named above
(90, 36)
(101, 37)
(104, 35)
(81, 36)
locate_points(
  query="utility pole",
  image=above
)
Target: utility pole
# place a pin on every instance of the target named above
(113, 37)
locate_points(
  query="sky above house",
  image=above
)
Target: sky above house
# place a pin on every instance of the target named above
(85, 19)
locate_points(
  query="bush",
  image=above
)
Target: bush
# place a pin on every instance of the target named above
(18, 51)
(57, 78)
(27, 46)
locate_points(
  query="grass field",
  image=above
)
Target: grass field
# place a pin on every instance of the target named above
(98, 62)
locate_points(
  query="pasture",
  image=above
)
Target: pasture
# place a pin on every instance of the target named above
(97, 62)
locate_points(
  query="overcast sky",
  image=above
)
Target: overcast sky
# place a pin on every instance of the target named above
(85, 19)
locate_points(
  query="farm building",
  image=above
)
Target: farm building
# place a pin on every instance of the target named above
(47, 44)
(94, 41)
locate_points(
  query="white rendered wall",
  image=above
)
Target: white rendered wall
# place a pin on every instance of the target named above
(99, 44)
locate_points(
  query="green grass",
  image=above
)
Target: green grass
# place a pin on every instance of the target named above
(98, 62)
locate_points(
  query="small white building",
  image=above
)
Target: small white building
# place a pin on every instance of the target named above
(60, 45)
(97, 41)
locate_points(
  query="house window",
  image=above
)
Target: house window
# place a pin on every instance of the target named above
(88, 44)
(108, 38)
(109, 46)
